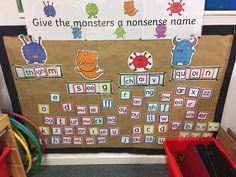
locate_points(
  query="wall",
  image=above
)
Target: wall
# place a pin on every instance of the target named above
(5, 103)
(229, 119)
(9, 9)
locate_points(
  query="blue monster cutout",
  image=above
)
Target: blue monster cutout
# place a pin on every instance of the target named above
(182, 51)
(77, 33)
(33, 52)
(49, 10)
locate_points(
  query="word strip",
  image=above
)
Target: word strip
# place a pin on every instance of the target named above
(79, 88)
(152, 79)
(195, 73)
(38, 71)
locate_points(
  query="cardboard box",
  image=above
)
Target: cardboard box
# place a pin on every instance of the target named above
(228, 141)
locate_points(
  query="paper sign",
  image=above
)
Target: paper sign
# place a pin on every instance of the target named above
(113, 20)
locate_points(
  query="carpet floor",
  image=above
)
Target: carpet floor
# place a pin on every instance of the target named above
(103, 171)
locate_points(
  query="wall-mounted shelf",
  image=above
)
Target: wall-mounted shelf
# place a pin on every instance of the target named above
(219, 18)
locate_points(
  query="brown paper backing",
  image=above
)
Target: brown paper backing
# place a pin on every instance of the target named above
(113, 55)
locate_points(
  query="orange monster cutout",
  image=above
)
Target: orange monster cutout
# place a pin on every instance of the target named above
(87, 64)
(129, 8)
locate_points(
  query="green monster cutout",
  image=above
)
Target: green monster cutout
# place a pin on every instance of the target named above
(92, 10)
(120, 32)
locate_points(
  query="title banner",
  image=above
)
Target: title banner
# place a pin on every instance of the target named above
(113, 19)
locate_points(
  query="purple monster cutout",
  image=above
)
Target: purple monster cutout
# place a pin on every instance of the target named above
(160, 31)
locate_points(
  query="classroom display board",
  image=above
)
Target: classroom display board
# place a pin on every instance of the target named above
(119, 94)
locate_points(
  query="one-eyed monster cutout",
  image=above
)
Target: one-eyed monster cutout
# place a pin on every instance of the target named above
(183, 51)
(49, 10)
(33, 51)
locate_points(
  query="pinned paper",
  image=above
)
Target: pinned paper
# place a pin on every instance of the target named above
(43, 109)
(160, 140)
(193, 92)
(188, 125)
(137, 129)
(124, 139)
(90, 141)
(152, 107)
(87, 64)
(135, 114)
(149, 92)
(183, 51)
(56, 130)
(125, 94)
(98, 120)
(137, 139)
(78, 140)
(149, 139)
(60, 120)
(207, 134)
(148, 129)
(184, 134)
(55, 140)
(86, 120)
(45, 130)
(137, 101)
(103, 131)
(49, 120)
(67, 107)
(55, 97)
(69, 130)
(107, 103)
(150, 118)
(81, 131)
(162, 128)
(190, 114)
(213, 126)
(201, 126)
(164, 118)
(176, 125)
(140, 61)
(206, 93)
(111, 120)
(122, 109)
(114, 131)
(195, 134)
(203, 115)
(33, 51)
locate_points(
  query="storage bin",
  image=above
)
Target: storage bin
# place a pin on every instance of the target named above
(220, 5)
(4, 152)
(176, 145)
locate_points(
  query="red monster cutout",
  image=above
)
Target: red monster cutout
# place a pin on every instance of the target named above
(176, 7)
(140, 62)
